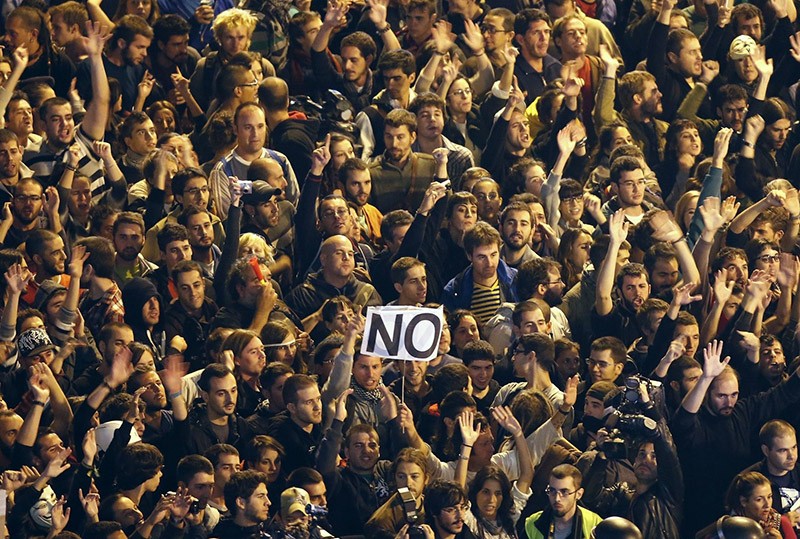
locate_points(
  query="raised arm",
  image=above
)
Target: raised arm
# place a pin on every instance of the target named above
(667, 230)
(603, 113)
(96, 118)
(618, 229)
(377, 14)
(483, 78)
(713, 365)
(20, 56)
(174, 370)
(469, 434)
(504, 418)
(722, 293)
(442, 44)
(17, 279)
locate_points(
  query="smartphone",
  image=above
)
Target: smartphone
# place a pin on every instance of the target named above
(246, 186)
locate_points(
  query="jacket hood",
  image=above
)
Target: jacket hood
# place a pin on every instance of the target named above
(135, 294)
(309, 127)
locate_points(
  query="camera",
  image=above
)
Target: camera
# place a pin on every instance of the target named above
(195, 507)
(631, 399)
(411, 513)
(316, 511)
(246, 186)
(623, 427)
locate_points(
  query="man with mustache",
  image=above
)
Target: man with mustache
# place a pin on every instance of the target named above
(541, 279)
(12, 170)
(169, 54)
(516, 227)
(400, 176)
(217, 421)
(446, 504)
(129, 232)
(19, 119)
(354, 175)
(618, 318)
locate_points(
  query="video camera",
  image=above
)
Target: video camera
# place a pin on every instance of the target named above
(628, 421)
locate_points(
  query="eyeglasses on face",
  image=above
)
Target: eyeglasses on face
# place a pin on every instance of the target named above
(558, 493)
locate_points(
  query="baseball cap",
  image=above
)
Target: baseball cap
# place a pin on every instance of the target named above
(262, 192)
(292, 500)
(34, 341)
(742, 47)
(47, 289)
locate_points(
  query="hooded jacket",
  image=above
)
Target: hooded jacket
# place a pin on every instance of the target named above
(458, 292)
(296, 138)
(135, 295)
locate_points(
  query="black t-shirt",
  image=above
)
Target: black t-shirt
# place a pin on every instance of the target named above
(789, 489)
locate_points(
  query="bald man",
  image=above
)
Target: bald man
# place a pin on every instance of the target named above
(336, 277)
(291, 134)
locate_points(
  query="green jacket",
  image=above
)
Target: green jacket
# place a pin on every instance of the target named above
(537, 526)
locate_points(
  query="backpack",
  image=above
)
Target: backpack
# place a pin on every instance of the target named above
(270, 37)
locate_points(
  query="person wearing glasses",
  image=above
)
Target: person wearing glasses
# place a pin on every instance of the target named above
(563, 518)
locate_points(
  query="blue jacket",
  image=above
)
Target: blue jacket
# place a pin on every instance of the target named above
(457, 293)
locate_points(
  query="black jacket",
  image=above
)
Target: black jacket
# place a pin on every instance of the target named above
(194, 330)
(228, 529)
(197, 434)
(659, 510)
(296, 139)
(301, 446)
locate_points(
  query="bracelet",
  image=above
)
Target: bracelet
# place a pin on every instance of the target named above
(563, 412)
(463, 458)
(581, 143)
(682, 238)
(386, 29)
(40, 403)
(465, 445)
(748, 144)
(106, 384)
(70, 167)
(175, 395)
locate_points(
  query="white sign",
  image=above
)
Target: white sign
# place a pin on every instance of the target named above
(410, 333)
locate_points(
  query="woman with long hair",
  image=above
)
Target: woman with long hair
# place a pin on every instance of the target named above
(750, 495)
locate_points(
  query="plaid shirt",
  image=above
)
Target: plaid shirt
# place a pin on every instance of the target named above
(106, 309)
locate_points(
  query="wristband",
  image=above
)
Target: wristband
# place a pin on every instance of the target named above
(465, 445)
(560, 411)
(175, 395)
(387, 28)
(40, 403)
(682, 238)
(106, 384)
(70, 167)
(748, 144)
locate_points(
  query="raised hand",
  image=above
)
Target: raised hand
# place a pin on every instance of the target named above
(89, 446)
(7, 216)
(675, 350)
(90, 502)
(566, 143)
(145, 85)
(722, 289)
(20, 56)
(472, 36)
(724, 15)
(712, 217)
(749, 341)
(665, 228)
(441, 37)
(95, 40)
(506, 419)
(682, 295)
(341, 405)
(321, 156)
(721, 143)
(181, 503)
(174, 370)
(571, 391)
(59, 516)
(775, 198)
(710, 70)
(388, 403)
(754, 125)
(433, 194)
(794, 49)
(758, 285)
(17, 279)
(791, 202)
(37, 383)
(730, 208)
(466, 424)
(572, 87)
(788, 272)
(51, 200)
(762, 64)
(77, 261)
(618, 227)
(58, 464)
(611, 62)
(121, 367)
(713, 364)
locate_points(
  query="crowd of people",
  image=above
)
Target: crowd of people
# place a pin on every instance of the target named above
(201, 198)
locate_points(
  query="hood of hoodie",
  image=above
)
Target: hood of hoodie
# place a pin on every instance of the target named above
(135, 294)
(308, 126)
